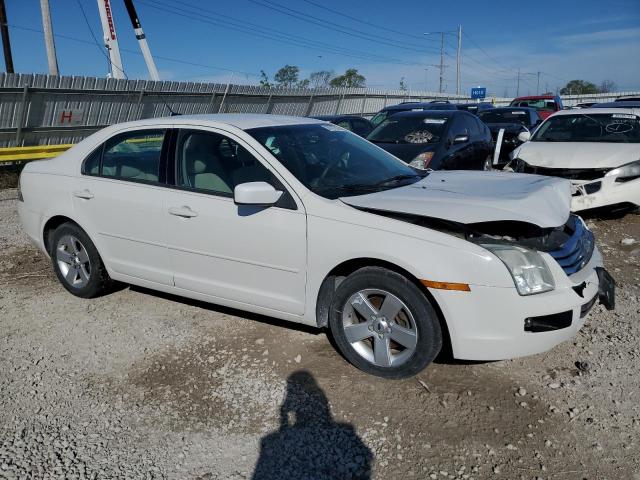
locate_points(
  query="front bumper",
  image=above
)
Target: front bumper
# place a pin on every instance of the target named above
(604, 192)
(488, 323)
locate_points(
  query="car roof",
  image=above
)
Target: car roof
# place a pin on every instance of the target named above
(335, 117)
(410, 105)
(243, 121)
(536, 97)
(592, 110)
(513, 107)
(430, 113)
(619, 104)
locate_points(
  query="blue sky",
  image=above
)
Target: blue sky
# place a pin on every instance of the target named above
(384, 40)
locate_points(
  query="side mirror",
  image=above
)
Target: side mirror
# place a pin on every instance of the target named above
(524, 136)
(256, 193)
(460, 139)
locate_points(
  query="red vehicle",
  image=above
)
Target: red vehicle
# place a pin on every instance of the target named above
(546, 105)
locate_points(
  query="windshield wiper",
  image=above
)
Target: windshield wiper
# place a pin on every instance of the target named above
(398, 178)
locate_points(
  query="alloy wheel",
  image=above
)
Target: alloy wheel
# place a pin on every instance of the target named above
(380, 327)
(73, 261)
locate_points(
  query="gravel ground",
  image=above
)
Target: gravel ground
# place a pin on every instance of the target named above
(143, 385)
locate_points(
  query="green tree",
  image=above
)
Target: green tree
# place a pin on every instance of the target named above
(351, 78)
(321, 78)
(287, 76)
(303, 83)
(403, 86)
(264, 79)
(578, 87)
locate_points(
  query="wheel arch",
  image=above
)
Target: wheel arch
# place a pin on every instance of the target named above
(50, 226)
(342, 270)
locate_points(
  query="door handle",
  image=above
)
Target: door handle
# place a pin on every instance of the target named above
(85, 194)
(184, 212)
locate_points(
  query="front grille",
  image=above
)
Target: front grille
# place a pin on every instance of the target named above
(576, 251)
(568, 173)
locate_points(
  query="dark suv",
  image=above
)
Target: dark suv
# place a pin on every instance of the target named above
(439, 140)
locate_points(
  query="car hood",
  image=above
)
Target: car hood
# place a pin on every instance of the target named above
(474, 197)
(577, 155)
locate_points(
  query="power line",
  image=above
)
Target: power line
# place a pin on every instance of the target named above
(136, 52)
(270, 34)
(336, 27)
(371, 24)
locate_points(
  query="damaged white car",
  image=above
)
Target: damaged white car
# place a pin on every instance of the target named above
(597, 149)
(304, 221)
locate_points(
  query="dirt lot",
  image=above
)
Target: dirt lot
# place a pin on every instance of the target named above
(141, 385)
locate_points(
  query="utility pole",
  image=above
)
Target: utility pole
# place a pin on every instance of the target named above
(441, 59)
(458, 60)
(518, 85)
(144, 46)
(538, 85)
(52, 59)
(6, 43)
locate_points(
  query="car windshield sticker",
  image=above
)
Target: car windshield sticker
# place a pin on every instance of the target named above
(438, 121)
(619, 126)
(417, 109)
(624, 115)
(421, 136)
(518, 113)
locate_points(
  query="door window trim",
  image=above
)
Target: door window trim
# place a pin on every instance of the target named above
(162, 165)
(287, 200)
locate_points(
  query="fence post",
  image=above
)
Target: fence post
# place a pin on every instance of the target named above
(269, 106)
(22, 115)
(224, 97)
(364, 102)
(212, 102)
(139, 104)
(339, 103)
(309, 106)
(385, 99)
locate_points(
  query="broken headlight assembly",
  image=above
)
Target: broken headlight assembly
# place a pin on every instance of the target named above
(528, 269)
(625, 173)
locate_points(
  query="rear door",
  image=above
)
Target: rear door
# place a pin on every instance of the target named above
(247, 254)
(118, 200)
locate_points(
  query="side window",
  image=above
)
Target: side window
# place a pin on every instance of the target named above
(360, 127)
(133, 156)
(214, 163)
(345, 124)
(91, 165)
(459, 127)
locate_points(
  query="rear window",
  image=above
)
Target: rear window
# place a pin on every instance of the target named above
(409, 130)
(505, 116)
(606, 127)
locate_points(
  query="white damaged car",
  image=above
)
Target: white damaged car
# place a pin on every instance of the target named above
(597, 149)
(304, 221)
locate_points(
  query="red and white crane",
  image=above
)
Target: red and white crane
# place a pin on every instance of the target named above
(111, 39)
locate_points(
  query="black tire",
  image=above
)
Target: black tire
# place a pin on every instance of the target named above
(425, 322)
(98, 282)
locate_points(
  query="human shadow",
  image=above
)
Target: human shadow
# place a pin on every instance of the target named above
(309, 444)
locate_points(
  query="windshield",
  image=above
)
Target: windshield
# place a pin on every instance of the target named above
(413, 129)
(599, 127)
(505, 116)
(541, 104)
(333, 162)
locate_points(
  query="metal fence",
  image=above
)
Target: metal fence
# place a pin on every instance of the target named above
(46, 110)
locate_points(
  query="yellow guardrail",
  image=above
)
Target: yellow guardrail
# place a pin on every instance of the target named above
(38, 152)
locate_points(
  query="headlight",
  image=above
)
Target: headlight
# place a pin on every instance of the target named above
(422, 161)
(529, 270)
(627, 172)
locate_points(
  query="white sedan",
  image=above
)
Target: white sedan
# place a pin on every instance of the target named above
(598, 149)
(302, 220)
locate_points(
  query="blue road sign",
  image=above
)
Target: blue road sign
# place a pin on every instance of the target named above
(478, 92)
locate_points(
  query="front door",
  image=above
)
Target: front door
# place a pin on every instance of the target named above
(249, 255)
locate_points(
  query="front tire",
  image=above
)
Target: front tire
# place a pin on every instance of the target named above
(384, 324)
(77, 263)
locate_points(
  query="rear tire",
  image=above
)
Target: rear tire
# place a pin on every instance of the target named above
(77, 263)
(384, 324)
